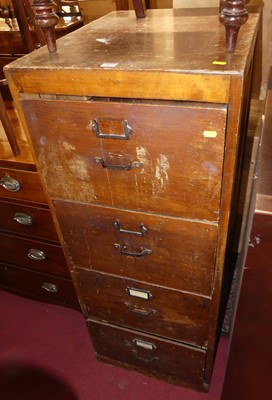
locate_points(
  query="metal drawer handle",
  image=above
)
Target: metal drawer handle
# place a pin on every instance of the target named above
(141, 311)
(23, 219)
(131, 253)
(37, 255)
(10, 184)
(144, 345)
(134, 164)
(142, 232)
(144, 359)
(111, 126)
(50, 287)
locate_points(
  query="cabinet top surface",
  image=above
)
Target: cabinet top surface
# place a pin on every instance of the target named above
(174, 40)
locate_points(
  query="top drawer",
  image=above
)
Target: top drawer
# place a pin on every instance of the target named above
(161, 157)
(21, 185)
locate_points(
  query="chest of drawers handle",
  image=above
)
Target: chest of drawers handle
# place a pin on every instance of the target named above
(50, 287)
(141, 311)
(132, 253)
(23, 219)
(118, 227)
(10, 184)
(110, 126)
(37, 255)
(134, 164)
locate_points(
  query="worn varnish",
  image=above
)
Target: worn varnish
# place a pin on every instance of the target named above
(138, 135)
(176, 252)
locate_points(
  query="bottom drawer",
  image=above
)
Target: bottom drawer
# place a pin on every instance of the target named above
(149, 355)
(38, 286)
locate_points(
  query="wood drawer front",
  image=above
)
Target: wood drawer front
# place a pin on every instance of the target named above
(27, 185)
(152, 309)
(160, 358)
(38, 285)
(182, 252)
(27, 220)
(15, 250)
(179, 150)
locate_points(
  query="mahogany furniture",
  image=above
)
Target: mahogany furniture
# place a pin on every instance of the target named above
(31, 259)
(140, 156)
(248, 371)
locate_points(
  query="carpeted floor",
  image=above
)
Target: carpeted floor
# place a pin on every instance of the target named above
(46, 353)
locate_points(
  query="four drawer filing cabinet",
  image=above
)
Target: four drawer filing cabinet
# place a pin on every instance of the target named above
(137, 127)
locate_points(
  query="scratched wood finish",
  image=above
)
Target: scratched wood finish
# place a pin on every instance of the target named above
(186, 249)
(194, 168)
(124, 347)
(170, 68)
(167, 313)
(194, 44)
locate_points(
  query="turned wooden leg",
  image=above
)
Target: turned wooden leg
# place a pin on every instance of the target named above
(233, 15)
(46, 20)
(140, 8)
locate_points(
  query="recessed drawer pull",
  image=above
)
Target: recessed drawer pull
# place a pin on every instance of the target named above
(141, 311)
(10, 184)
(50, 287)
(134, 164)
(142, 232)
(37, 255)
(111, 129)
(23, 219)
(131, 253)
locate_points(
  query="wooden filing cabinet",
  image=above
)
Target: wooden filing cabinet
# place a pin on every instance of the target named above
(31, 259)
(140, 155)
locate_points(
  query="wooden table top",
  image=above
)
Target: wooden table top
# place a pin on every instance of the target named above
(173, 40)
(169, 55)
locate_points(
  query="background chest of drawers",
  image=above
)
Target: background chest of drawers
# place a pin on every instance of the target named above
(31, 259)
(140, 155)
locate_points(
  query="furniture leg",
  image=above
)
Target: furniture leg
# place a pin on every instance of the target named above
(233, 15)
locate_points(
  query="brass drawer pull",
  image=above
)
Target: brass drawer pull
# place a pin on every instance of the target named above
(142, 232)
(50, 287)
(10, 184)
(37, 255)
(23, 219)
(134, 164)
(141, 311)
(111, 129)
(131, 253)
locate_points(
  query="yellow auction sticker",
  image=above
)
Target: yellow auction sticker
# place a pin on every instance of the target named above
(219, 62)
